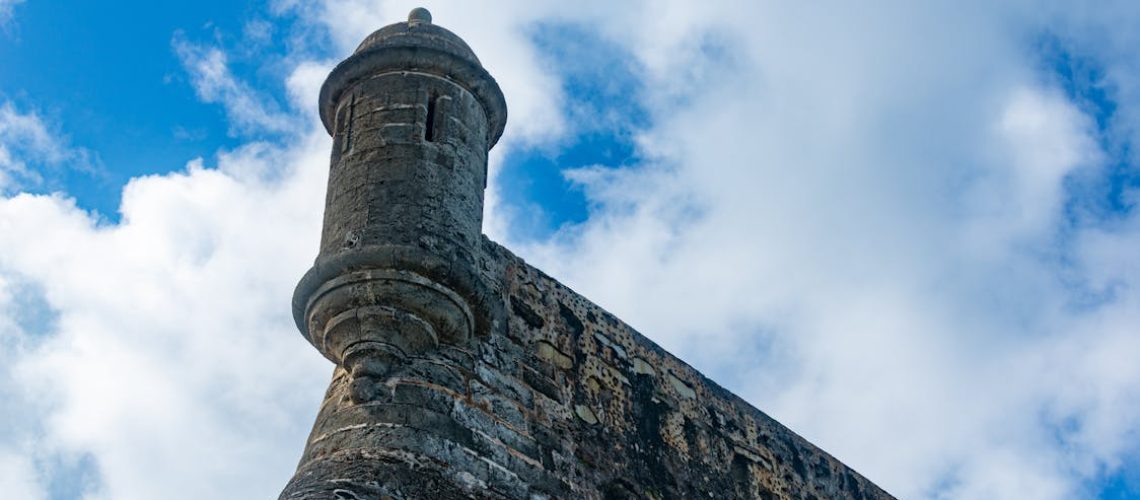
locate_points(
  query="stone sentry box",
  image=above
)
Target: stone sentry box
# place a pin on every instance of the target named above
(463, 372)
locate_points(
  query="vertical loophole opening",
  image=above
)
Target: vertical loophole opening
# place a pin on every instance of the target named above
(429, 125)
(349, 116)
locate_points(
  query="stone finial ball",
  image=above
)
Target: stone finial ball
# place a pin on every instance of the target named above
(419, 15)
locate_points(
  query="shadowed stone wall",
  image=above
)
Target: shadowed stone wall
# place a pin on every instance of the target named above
(463, 372)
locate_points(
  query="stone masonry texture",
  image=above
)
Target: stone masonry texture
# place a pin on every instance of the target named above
(462, 371)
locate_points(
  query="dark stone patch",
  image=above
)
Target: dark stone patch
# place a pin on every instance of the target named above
(572, 322)
(797, 462)
(524, 311)
(541, 383)
(741, 475)
(854, 489)
(691, 432)
(648, 415)
(821, 469)
(619, 489)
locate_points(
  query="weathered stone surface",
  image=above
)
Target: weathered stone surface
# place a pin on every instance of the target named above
(463, 372)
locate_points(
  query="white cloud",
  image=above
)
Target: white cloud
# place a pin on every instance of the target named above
(247, 110)
(854, 216)
(17, 474)
(1045, 139)
(174, 361)
(25, 139)
(6, 7)
(1105, 33)
(858, 224)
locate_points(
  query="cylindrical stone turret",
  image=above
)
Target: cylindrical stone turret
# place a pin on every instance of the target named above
(413, 114)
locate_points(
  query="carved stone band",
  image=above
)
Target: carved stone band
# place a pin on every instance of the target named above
(395, 311)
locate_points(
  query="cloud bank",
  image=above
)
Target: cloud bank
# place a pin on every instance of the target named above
(907, 232)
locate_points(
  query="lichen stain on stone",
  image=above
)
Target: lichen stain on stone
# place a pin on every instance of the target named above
(682, 388)
(618, 350)
(642, 367)
(548, 352)
(586, 414)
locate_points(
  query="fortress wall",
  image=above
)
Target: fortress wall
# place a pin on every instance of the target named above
(563, 401)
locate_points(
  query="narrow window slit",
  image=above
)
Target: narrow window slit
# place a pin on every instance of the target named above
(346, 145)
(429, 126)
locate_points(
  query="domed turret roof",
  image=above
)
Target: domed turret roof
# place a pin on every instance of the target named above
(418, 32)
(417, 45)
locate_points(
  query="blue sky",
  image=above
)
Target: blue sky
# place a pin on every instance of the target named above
(906, 231)
(111, 75)
(107, 73)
